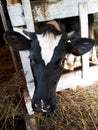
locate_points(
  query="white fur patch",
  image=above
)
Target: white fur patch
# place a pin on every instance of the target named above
(48, 44)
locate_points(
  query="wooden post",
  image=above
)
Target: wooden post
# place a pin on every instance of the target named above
(28, 73)
(25, 54)
(83, 14)
(28, 15)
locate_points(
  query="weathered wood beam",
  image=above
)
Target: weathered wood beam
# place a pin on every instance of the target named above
(83, 14)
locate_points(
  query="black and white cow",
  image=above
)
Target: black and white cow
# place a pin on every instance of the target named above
(47, 54)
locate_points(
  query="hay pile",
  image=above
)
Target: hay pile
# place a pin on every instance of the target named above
(12, 102)
(76, 110)
(12, 85)
(11, 96)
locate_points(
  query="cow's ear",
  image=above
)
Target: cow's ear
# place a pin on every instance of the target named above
(80, 46)
(17, 40)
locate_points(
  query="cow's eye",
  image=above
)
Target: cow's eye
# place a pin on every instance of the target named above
(33, 61)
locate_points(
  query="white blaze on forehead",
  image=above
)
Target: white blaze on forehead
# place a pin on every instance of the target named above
(48, 44)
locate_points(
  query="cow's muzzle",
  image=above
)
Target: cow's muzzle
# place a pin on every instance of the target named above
(43, 107)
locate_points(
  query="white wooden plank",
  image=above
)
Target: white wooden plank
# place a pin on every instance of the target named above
(61, 9)
(28, 15)
(16, 20)
(84, 33)
(73, 80)
(25, 54)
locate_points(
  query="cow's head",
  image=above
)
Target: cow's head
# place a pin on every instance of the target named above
(47, 55)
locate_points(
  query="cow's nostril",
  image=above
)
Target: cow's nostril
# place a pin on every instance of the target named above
(44, 111)
(48, 107)
(36, 105)
(36, 108)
